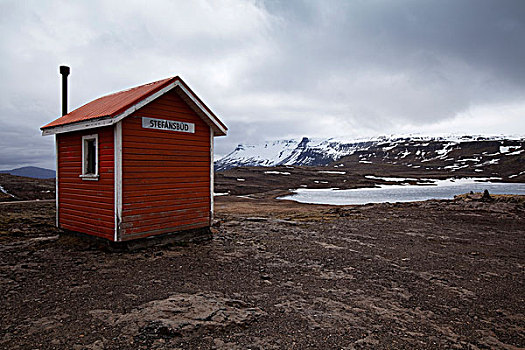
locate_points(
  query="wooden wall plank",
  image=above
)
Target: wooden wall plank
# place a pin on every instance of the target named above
(131, 208)
(180, 227)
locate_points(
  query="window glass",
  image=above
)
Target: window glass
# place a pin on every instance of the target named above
(90, 157)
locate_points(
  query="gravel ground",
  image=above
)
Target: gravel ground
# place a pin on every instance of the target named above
(435, 274)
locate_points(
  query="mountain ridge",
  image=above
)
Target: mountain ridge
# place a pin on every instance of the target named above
(31, 171)
(495, 155)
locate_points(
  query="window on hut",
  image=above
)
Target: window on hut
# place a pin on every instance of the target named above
(90, 157)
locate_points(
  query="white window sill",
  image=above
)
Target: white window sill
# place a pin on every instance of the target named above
(91, 177)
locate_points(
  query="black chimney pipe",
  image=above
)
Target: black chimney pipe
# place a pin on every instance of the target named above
(64, 70)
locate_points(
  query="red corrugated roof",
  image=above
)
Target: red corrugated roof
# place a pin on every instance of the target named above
(112, 105)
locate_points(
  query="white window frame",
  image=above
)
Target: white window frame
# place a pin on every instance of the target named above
(85, 175)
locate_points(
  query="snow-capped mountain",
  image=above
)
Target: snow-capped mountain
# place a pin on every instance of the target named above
(438, 152)
(303, 151)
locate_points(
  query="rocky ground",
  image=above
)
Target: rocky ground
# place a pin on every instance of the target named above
(276, 274)
(15, 188)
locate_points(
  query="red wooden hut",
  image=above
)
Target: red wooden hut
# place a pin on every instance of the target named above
(136, 163)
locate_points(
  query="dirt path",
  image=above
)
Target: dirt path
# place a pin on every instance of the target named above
(276, 275)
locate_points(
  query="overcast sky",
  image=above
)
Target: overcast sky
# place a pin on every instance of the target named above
(270, 69)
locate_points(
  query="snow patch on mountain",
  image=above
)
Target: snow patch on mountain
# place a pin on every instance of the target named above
(392, 149)
(306, 151)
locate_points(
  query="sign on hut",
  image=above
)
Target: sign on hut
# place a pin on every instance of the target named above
(136, 163)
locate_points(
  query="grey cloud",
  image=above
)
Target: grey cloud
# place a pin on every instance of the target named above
(23, 146)
(270, 69)
(396, 62)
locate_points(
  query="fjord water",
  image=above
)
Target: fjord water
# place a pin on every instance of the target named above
(439, 189)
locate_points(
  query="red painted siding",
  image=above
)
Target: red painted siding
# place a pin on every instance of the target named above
(86, 206)
(166, 174)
